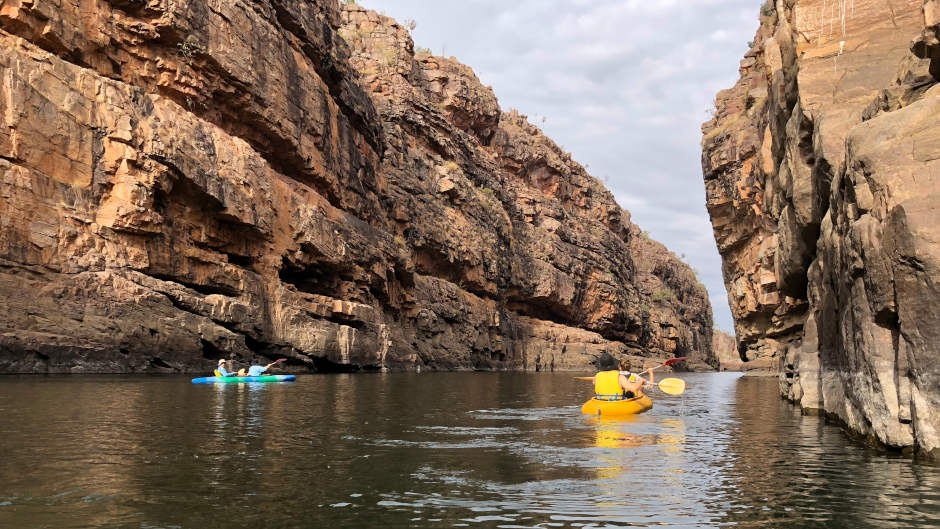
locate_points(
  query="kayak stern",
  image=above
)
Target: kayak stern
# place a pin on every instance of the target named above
(613, 408)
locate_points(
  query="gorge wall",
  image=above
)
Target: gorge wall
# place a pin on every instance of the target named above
(726, 351)
(822, 171)
(185, 180)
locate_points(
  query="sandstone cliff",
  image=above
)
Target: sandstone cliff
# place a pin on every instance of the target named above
(725, 349)
(183, 180)
(822, 168)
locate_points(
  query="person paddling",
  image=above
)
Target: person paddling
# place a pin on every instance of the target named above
(620, 384)
(256, 371)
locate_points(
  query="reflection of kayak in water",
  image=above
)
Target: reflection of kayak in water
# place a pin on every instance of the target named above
(230, 380)
(614, 432)
(617, 407)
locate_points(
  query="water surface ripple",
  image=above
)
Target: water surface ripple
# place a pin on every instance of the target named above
(507, 450)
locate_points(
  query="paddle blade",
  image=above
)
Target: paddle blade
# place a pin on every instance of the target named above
(675, 360)
(584, 378)
(279, 360)
(672, 386)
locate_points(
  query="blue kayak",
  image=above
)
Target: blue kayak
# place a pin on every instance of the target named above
(236, 380)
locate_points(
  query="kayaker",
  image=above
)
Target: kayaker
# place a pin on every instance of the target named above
(221, 371)
(620, 384)
(254, 371)
(634, 382)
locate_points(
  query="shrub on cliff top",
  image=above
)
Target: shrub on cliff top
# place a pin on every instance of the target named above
(353, 35)
(768, 9)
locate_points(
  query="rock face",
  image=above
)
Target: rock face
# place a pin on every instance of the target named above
(822, 169)
(184, 180)
(726, 352)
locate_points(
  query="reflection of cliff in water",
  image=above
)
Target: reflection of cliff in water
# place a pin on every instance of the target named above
(161, 452)
(222, 433)
(790, 470)
(112, 437)
(503, 408)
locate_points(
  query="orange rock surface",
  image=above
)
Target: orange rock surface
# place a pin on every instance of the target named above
(726, 351)
(182, 181)
(822, 171)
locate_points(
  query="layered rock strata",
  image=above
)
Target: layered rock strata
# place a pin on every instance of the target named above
(725, 349)
(822, 170)
(181, 181)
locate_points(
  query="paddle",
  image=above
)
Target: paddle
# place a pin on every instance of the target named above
(672, 386)
(276, 362)
(671, 361)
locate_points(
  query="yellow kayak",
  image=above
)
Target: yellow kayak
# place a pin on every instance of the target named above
(611, 408)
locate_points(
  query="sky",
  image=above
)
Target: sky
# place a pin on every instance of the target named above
(624, 85)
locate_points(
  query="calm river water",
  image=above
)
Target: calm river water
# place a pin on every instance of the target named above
(434, 450)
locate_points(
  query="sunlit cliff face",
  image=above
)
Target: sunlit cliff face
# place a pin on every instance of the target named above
(176, 195)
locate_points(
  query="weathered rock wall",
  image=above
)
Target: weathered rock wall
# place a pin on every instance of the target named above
(822, 168)
(181, 181)
(725, 349)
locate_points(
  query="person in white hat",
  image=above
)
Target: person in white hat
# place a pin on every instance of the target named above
(221, 371)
